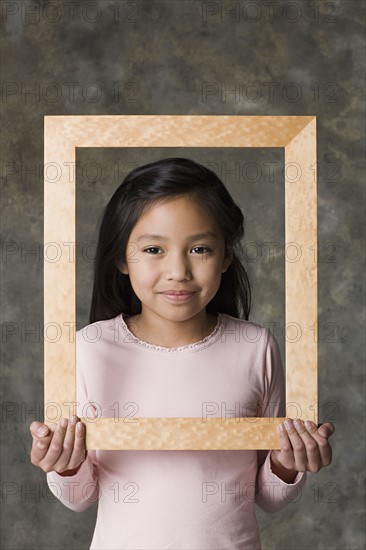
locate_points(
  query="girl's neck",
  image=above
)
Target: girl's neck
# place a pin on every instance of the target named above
(171, 334)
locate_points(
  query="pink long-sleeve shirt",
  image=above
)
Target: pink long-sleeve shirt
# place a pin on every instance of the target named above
(177, 499)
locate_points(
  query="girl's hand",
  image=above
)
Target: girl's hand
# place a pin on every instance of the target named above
(61, 450)
(304, 447)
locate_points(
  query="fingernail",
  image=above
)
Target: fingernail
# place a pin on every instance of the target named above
(288, 424)
(53, 426)
(79, 426)
(309, 425)
(42, 431)
(64, 422)
(281, 427)
(298, 423)
(73, 419)
(326, 432)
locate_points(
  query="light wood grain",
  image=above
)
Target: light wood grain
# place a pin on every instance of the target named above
(297, 135)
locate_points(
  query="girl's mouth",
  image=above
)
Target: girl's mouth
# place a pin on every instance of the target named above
(178, 296)
(171, 291)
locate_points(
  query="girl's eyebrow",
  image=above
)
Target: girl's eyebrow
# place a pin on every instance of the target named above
(147, 237)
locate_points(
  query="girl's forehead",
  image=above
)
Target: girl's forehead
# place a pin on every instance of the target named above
(180, 217)
(175, 206)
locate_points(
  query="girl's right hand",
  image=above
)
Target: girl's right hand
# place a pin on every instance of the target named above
(61, 450)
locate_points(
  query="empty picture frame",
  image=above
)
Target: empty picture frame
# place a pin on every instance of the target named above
(297, 135)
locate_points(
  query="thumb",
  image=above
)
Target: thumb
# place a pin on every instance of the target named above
(326, 430)
(38, 429)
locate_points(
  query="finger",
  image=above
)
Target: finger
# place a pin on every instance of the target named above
(40, 443)
(298, 447)
(56, 446)
(66, 445)
(286, 454)
(326, 430)
(38, 429)
(72, 452)
(74, 444)
(79, 453)
(325, 449)
(313, 458)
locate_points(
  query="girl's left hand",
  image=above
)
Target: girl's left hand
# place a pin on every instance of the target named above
(304, 447)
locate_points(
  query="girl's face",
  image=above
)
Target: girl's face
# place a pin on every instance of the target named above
(185, 252)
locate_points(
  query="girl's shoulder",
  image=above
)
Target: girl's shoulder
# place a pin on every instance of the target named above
(98, 331)
(252, 338)
(244, 324)
(247, 331)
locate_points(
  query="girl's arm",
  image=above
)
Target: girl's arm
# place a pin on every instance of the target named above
(76, 491)
(276, 486)
(282, 473)
(287, 475)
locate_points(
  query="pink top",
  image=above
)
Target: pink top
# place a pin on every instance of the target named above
(177, 499)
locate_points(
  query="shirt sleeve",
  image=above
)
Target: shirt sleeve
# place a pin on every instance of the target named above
(272, 493)
(80, 491)
(76, 492)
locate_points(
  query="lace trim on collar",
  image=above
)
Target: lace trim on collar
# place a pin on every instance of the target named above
(202, 344)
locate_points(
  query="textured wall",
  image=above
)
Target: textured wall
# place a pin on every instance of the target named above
(188, 57)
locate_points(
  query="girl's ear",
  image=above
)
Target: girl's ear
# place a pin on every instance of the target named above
(122, 267)
(226, 264)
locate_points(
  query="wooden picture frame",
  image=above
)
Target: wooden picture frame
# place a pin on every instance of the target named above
(297, 135)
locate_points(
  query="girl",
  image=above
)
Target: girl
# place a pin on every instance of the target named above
(169, 336)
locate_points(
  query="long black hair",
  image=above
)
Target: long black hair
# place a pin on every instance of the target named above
(143, 187)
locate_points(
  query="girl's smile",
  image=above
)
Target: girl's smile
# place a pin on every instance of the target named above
(178, 298)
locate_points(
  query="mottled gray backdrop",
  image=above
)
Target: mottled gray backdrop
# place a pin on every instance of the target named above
(188, 57)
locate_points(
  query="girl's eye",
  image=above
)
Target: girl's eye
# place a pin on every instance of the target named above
(208, 250)
(151, 248)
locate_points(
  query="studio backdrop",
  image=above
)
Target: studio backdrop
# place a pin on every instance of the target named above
(296, 59)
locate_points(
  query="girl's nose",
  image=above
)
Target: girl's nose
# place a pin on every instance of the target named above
(178, 267)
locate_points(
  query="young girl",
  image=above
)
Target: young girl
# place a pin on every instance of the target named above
(169, 336)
